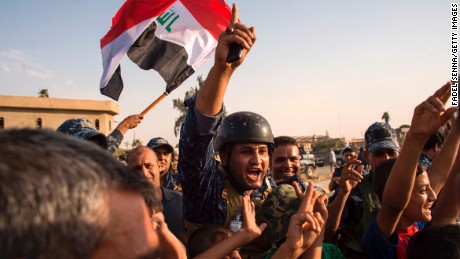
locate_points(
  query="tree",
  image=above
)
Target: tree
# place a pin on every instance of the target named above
(136, 143)
(325, 144)
(386, 117)
(179, 104)
(43, 93)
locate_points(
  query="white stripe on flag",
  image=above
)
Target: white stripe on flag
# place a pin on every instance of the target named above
(187, 32)
(113, 53)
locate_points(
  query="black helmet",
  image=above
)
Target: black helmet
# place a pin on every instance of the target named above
(243, 127)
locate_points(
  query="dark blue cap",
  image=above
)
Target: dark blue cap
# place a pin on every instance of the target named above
(81, 129)
(160, 142)
(380, 135)
(348, 148)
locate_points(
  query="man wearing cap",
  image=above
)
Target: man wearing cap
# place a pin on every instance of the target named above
(84, 129)
(213, 191)
(348, 153)
(354, 203)
(164, 151)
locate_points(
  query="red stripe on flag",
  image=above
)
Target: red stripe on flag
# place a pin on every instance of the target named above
(132, 13)
(213, 15)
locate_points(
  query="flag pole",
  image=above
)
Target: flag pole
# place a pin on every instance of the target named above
(154, 103)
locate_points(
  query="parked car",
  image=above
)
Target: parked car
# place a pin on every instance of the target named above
(308, 164)
(339, 158)
(319, 162)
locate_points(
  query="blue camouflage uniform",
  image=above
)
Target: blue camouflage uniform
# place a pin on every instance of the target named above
(208, 196)
(425, 160)
(362, 204)
(114, 140)
(202, 184)
(84, 129)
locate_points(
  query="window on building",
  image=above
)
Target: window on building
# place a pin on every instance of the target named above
(110, 125)
(2, 123)
(97, 124)
(39, 123)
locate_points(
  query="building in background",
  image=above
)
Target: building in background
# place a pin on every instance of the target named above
(35, 112)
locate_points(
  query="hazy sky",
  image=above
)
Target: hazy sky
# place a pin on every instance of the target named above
(317, 66)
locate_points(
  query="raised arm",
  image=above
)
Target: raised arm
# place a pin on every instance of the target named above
(316, 248)
(428, 117)
(447, 208)
(171, 247)
(115, 138)
(348, 180)
(129, 122)
(304, 227)
(210, 97)
(441, 166)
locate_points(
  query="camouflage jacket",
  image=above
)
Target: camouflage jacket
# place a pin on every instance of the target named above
(114, 140)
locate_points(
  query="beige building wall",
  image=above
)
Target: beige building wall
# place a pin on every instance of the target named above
(23, 112)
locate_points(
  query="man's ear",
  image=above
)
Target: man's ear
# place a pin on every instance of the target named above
(366, 156)
(223, 158)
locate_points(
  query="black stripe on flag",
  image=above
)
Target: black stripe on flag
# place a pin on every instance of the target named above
(114, 86)
(169, 59)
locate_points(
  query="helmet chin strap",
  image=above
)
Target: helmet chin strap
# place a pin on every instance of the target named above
(228, 174)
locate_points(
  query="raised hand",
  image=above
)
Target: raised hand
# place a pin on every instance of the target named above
(305, 225)
(171, 247)
(130, 122)
(236, 33)
(350, 177)
(431, 114)
(250, 226)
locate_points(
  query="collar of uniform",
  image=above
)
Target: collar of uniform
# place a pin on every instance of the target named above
(167, 195)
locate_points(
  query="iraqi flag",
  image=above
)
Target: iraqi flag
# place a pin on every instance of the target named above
(173, 37)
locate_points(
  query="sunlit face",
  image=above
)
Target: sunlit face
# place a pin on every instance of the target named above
(164, 159)
(248, 164)
(129, 231)
(421, 200)
(349, 155)
(379, 156)
(144, 160)
(285, 161)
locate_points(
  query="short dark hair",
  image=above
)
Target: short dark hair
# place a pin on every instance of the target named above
(284, 141)
(435, 242)
(56, 188)
(436, 138)
(204, 238)
(382, 172)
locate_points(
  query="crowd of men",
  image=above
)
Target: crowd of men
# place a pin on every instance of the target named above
(63, 195)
